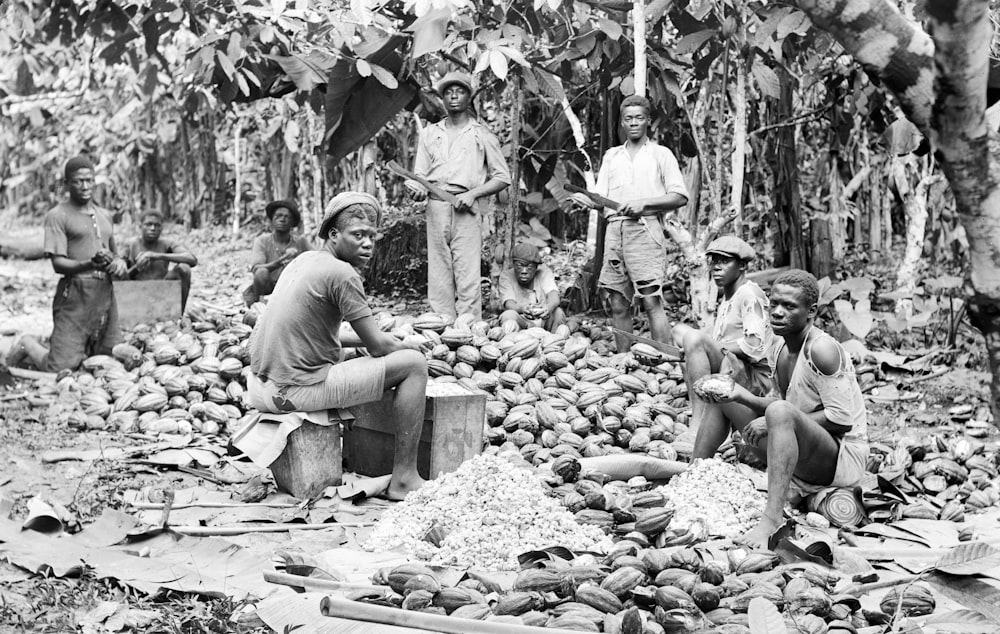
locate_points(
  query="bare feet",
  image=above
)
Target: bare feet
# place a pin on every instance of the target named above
(17, 353)
(757, 539)
(400, 486)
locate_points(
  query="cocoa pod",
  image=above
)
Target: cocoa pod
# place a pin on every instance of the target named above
(621, 581)
(517, 603)
(417, 600)
(652, 521)
(912, 600)
(598, 598)
(398, 576)
(477, 611)
(453, 598)
(706, 596)
(537, 580)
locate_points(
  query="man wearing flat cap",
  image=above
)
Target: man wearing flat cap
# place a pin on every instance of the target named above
(462, 157)
(295, 349)
(741, 338)
(271, 252)
(528, 292)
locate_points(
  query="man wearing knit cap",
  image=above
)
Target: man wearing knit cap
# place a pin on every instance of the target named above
(79, 241)
(271, 252)
(462, 157)
(295, 348)
(741, 338)
(528, 292)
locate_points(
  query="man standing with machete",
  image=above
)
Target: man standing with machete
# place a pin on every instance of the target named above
(463, 158)
(645, 177)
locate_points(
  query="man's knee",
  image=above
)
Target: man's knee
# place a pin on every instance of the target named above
(508, 315)
(413, 361)
(780, 413)
(694, 340)
(558, 318)
(619, 305)
(650, 295)
(182, 271)
(261, 277)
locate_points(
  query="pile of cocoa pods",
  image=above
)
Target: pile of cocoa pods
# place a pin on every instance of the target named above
(640, 590)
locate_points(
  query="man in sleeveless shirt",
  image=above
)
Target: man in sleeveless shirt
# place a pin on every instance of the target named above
(741, 338)
(814, 428)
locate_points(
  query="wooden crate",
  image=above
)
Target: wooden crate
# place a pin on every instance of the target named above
(147, 301)
(452, 433)
(311, 461)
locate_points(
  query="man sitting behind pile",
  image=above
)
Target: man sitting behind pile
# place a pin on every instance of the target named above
(741, 338)
(295, 347)
(528, 292)
(152, 257)
(271, 252)
(814, 428)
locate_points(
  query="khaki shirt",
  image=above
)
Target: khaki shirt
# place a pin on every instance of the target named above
(472, 159)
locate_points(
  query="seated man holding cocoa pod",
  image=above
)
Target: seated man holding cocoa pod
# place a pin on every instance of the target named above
(814, 428)
(741, 338)
(528, 292)
(296, 344)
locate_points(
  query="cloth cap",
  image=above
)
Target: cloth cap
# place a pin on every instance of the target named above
(77, 163)
(732, 247)
(287, 204)
(342, 201)
(527, 252)
(455, 77)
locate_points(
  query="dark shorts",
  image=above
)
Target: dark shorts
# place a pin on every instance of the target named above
(84, 322)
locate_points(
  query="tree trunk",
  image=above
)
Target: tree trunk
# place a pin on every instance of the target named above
(956, 64)
(738, 157)
(785, 188)
(639, 31)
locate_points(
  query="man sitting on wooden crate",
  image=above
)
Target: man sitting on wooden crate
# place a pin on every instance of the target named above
(528, 292)
(295, 347)
(271, 252)
(152, 257)
(812, 428)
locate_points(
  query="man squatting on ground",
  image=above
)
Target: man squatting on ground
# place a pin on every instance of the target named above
(645, 178)
(295, 347)
(528, 292)
(79, 240)
(741, 339)
(813, 428)
(153, 257)
(271, 252)
(462, 157)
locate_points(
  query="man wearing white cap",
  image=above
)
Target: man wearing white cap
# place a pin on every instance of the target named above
(295, 347)
(462, 157)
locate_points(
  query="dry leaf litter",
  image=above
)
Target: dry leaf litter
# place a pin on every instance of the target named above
(712, 497)
(490, 509)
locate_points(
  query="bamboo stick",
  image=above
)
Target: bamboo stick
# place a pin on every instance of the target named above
(155, 506)
(223, 531)
(33, 375)
(310, 583)
(342, 608)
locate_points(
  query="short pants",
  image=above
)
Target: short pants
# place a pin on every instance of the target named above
(352, 382)
(634, 257)
(84, 321)
(852, 464)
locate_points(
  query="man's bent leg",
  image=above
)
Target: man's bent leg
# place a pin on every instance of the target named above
(556, 319)
(71, 327)
(514, 316)
(702, 356)
(440, 274)
(659, 325)
(796, 445)
(407, 371)
(467, 250)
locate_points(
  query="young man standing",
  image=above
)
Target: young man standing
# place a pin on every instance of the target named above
(152, 257)
(462, 157)
(741, 339)
(271, 252)
(645, 178)
(814, 428)
(295, 347)
(528, 292)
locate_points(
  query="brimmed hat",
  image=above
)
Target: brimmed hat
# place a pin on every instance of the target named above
(527, 252)
(287, 204)
(342, 201)
(455, 77)
(731, 246)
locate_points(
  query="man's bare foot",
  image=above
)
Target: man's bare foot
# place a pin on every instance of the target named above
(757, 539)
(17, 354)
(399, 487)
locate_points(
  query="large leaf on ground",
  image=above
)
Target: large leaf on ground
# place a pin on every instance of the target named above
(964, 621)
(764, 617)
(979, 595)
(858, 319)
(969, 559)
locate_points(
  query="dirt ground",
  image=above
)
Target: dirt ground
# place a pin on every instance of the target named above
(900, 407)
